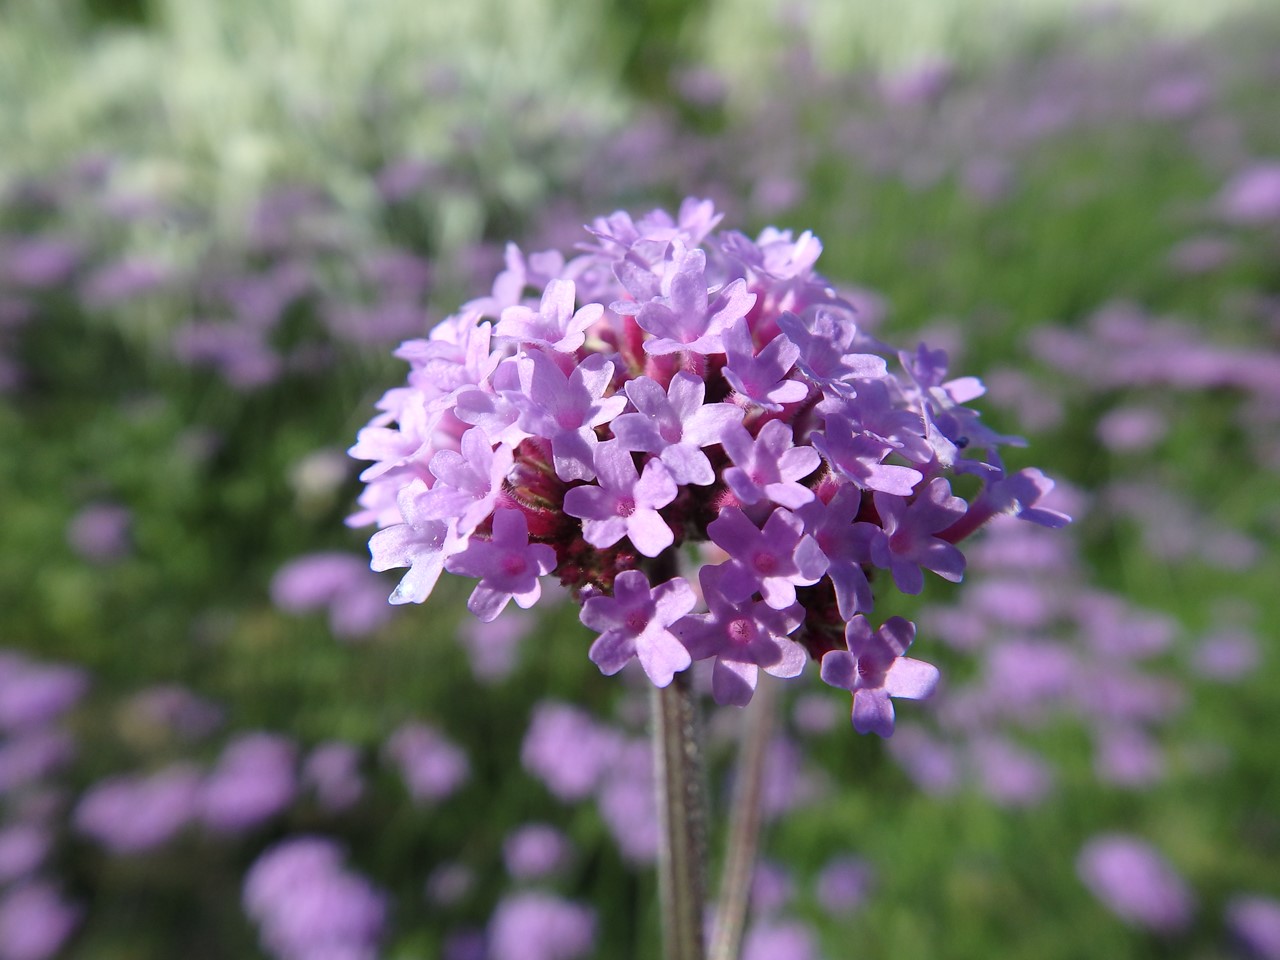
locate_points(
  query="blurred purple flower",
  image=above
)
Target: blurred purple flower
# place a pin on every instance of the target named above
(448, 884)
(494, 647)
(1254, 922)
(627, 802)
(252, 781)
(771, 887)
(1227, 654)
(33, 755)
(534, 851)
(35, 921)
(175, 710)
(38, 262)
(133, 814)
(100, 532)
(1135, 883)
(1252, 196)
(122, 281)
(1009, 774)
(33, 694)
(433, 767)
(310, 907)
(341, 582)
(842, 885)
(540, 926)
(402, 178)
(790, 940)
(332, 771)
(1131, 429)
(567, 750)
(23, 848)
(1127, 756)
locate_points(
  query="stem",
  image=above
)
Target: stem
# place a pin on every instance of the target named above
(682, 856)
(744, 825)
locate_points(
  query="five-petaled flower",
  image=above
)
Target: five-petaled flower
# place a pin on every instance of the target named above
(875, 668)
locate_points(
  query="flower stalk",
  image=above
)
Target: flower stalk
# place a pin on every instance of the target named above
(682, 853)
(744, 826)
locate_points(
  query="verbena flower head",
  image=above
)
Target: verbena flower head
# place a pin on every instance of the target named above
(689, 429)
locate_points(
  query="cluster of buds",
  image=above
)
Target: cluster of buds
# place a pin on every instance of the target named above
(692, 432)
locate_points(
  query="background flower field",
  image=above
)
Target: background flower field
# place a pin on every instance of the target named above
(218, 220)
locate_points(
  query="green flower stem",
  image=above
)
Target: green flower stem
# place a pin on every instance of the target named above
(682, 854)
(744, 825)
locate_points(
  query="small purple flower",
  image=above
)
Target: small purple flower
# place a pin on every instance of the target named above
(433, 767)
(761, 378)
(675, 425)
(859, 456)
(636, 622)
(875, 668)
(624, 504)
(420, 543)
(773, 560)
(686, 316)
(844, 544)
(468, 483)
(554, 326)
(508, 566)
(1135, 883)
(741, 639)
(907, 541)
(540, 926)
(566, 409)
(831, 350)
(768, 466)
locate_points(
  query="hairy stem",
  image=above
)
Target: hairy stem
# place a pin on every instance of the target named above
(744, 825)
(682, 855)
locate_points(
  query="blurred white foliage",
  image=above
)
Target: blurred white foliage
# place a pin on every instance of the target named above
(217, 99)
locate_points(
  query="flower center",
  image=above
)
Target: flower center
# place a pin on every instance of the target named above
(742, 630)
(765, 563)
(513, 564)
(626, 506)
(637, 620)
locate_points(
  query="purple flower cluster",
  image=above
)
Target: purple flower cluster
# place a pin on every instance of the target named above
(692, 432)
